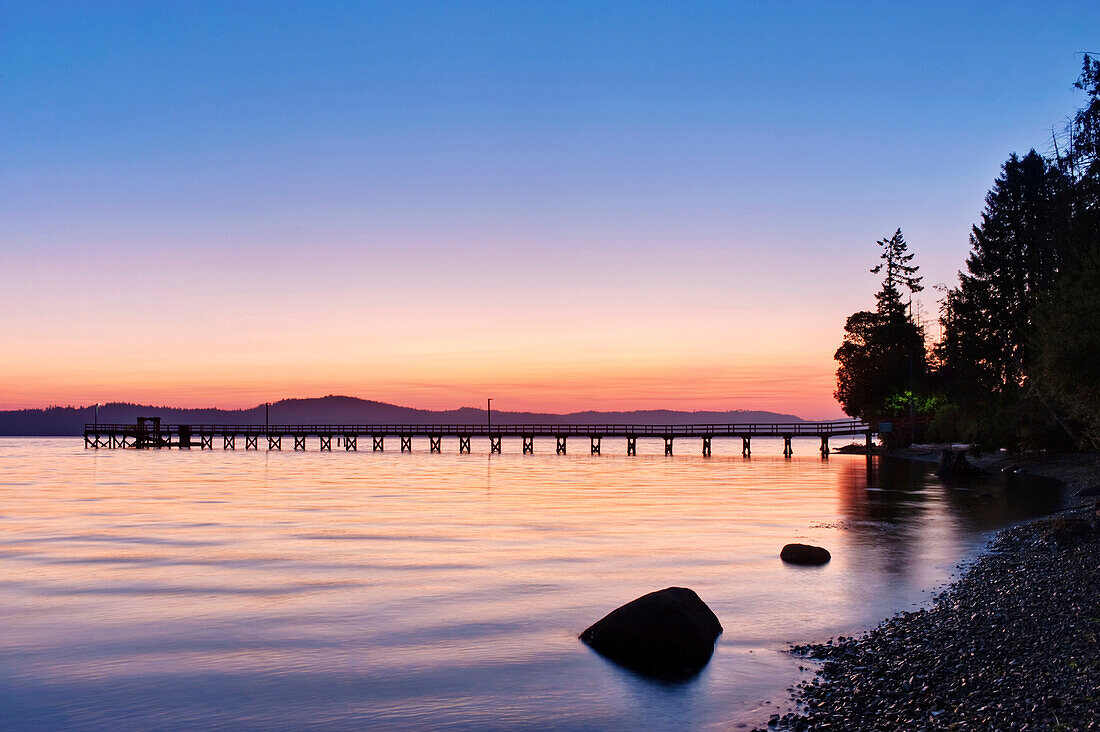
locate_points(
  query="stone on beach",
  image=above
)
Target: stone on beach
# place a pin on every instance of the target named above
(667, 634)
(805, 554)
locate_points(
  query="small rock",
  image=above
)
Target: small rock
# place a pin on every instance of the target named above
(805, 554)
(667, 634)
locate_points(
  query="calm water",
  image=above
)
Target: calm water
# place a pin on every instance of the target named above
(336, 590)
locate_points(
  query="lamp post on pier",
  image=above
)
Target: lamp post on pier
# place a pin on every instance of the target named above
(97, 415)
(489, 414)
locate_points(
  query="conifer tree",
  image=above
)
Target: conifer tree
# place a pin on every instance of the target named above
(1016, 252)
(882, 355)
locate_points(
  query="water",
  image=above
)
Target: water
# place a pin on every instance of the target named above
(337, 590)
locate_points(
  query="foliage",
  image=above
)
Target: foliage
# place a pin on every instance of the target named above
(1018, 365)
(896, 258)
(1067, 342)
(1016, 252)
(883, 351)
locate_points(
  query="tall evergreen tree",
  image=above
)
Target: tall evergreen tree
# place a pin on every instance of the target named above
(1016, 252)
(1066, 337)
(882, 355)
(899, 273)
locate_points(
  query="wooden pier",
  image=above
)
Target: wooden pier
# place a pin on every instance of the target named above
(150, 433)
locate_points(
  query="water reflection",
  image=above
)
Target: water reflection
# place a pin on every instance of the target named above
(427, 590)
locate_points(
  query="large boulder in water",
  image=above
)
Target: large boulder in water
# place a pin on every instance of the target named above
(805, 554)
(668, 634)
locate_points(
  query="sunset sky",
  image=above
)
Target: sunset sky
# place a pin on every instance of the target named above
(562, 206)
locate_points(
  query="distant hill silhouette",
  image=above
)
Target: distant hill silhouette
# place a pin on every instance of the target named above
(58, 421)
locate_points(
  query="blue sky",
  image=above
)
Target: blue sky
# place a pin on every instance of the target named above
(700, 176)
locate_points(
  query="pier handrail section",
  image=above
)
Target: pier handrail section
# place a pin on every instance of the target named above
(787, 429)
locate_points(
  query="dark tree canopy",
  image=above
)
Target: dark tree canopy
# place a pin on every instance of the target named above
(1018, 364)
(883, 351)
(1067, 345)
(1016, 252)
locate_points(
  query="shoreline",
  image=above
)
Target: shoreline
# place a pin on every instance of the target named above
(1009, 644)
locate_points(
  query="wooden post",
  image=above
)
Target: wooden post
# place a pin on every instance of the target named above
(435, 444)
(250, 442)
(407, 443)
(229, 442)
(706, 446)
(788, 450)
(595, 445)
(631, 445)
(326, 442)
(746, 446)
(494, 444)
(379, 441)
(299, 442)
(528, 444)
(274, 442)
(870, 444)
(668, 446)
(351, 443)
(824, 446)
(561, 444)
(463, 444)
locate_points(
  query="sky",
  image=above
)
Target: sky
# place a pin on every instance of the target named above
(562, 206)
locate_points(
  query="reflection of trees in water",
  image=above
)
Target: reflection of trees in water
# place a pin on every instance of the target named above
(883, 503)
(1000, 500)
(896, 506)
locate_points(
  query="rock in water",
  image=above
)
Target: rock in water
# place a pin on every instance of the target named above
(805, 554)
(668, 634)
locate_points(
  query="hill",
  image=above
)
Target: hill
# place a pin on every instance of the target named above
(58, 421)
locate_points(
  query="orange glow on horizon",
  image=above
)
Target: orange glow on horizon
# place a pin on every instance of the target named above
(804, 392)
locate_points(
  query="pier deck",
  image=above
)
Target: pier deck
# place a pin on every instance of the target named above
(150, 433)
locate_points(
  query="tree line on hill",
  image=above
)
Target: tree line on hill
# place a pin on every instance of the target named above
(1018, 362)
(334, 409)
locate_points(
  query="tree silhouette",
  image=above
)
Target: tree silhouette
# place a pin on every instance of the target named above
(882, 356)
(1016, 252)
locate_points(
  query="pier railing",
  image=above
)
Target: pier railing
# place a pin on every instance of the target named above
(791, 429)
(150, 433)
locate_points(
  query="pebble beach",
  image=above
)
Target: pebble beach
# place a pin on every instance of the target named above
(1011, 645)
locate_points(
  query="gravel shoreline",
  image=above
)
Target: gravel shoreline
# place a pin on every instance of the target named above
(1014, 644)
